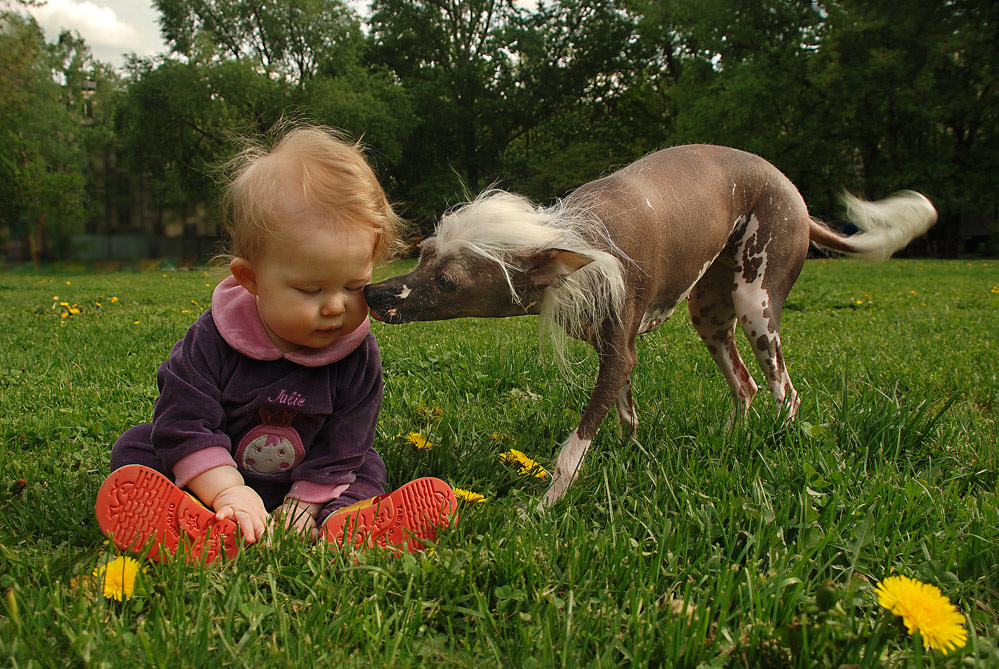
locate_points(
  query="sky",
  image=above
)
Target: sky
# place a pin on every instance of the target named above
(110, 28)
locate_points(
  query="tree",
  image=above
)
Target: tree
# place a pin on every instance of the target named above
(917, 99)
(484, 77)
(297, 39)
(846, 94)
(41, 133)
(244, 66)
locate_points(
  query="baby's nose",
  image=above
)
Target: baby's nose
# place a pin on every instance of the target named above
(333, 305)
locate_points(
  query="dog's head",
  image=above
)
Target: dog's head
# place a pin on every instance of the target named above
(461, 284)
(490, 258)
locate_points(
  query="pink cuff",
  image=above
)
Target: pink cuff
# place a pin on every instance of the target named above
(315, 493)
(199, 462)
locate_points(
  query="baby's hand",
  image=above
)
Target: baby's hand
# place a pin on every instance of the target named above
(296, 515)
(243, 505)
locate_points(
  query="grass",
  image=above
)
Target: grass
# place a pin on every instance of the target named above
(689, 547)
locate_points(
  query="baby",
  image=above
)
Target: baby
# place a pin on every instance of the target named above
(268, 405)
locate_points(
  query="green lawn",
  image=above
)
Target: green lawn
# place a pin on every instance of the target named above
(690, 546)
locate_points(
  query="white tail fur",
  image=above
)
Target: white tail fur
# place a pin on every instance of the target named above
(502, 226)
(889, 224)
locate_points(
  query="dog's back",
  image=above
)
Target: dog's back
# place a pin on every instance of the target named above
(675, 211)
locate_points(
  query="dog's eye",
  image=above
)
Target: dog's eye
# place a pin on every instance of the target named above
(445, 283)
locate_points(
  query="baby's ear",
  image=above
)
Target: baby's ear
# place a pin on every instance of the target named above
(244, 274)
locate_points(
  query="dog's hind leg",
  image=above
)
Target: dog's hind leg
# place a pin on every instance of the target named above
(766, 271)
(769, 353)
(617, 359)
(712, 313)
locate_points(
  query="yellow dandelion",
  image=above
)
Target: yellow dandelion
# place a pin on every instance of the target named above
(98, 304)
(114, 300)
(469, 496)
(995, 290)
(74, 310)
(527, 465)
(118, 577)
(64, 304)
(136, 322)
(416, 439)
(64, 315)
(68, 283)
(194, 302)
(55, 298)
(924, 609)
(433, 412)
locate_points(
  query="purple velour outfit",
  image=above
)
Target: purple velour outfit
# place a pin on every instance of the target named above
(299, 424)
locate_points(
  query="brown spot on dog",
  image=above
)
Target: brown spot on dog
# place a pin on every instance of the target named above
(752, 269)
(762, 343)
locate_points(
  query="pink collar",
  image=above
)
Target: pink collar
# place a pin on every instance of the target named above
(234, 310)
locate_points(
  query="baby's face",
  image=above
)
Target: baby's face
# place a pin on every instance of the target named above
(310, 283)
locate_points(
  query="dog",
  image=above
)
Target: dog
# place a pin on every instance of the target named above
(718, 227)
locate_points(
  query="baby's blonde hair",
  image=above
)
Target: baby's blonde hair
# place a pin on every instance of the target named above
(336, 184)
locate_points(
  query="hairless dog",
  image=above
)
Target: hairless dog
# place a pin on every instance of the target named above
(718, 227)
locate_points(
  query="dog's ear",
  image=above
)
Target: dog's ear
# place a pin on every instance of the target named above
(552, 267)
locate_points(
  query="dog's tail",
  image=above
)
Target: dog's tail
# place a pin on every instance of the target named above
(885, 226)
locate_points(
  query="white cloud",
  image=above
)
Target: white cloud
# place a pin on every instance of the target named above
(105, 32)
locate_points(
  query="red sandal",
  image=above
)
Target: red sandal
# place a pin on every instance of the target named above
(403, 518)
(142, 511)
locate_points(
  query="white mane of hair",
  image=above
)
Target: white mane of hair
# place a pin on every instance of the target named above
(502, 226)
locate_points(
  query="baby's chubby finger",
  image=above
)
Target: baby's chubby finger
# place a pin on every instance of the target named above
(243, 521)
(247, 527)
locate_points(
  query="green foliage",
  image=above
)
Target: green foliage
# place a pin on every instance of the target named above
(484, 77)
(54, 128)
(452, 97)
(691, 546)
(42, 162)
(870, 97)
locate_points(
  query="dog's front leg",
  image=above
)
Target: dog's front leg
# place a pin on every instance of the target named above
(626, 410)
(616, 363)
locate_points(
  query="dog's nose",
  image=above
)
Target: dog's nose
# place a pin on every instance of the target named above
(379, 302)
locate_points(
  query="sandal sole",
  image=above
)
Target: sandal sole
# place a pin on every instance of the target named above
(401, 519)
(142, 511)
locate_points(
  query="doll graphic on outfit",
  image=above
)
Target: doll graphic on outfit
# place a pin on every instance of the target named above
(273, 446)
(268, 405)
